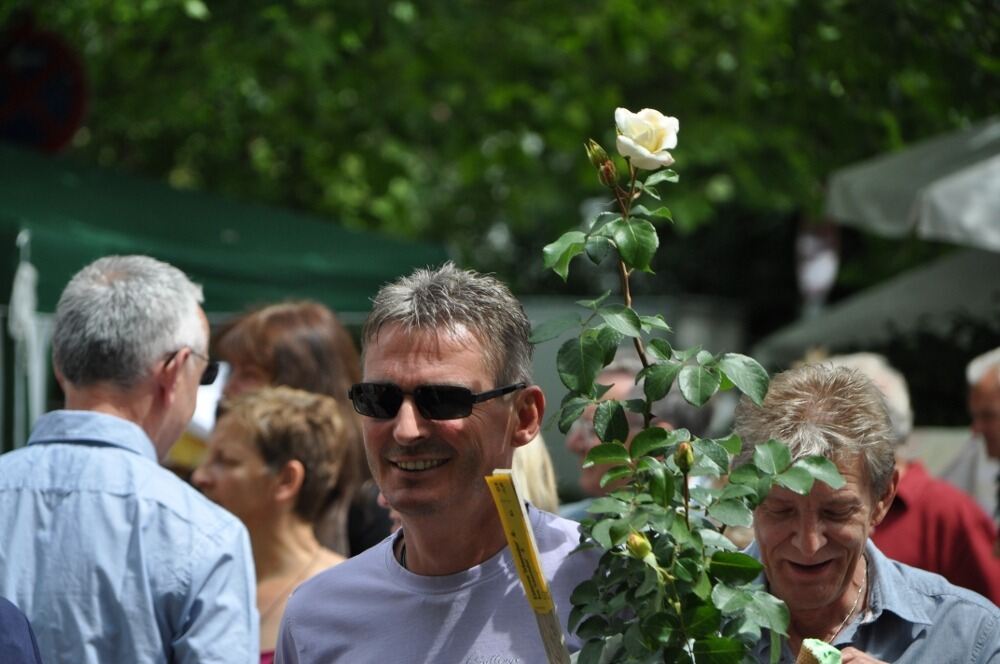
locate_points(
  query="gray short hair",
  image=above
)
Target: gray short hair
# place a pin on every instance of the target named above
(119, 315)
(818, 409)
(981, 365)
(448, 298)
(890, 383)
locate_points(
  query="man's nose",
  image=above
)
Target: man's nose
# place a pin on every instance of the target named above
(410, 425)
(810, 534)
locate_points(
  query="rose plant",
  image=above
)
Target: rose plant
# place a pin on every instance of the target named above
(670, 587)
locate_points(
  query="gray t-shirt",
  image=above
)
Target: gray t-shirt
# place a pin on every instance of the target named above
(370, 609)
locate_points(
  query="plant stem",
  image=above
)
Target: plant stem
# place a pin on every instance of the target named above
(687, 500)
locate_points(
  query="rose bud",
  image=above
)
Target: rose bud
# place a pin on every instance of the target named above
(638, 545)
(684, 457)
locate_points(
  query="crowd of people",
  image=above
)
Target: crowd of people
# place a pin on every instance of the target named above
(340, 511)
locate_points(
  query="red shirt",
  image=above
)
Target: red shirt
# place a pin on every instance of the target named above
(934, 526)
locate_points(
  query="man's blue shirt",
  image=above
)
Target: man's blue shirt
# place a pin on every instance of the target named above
(115, 559)
(914, 617)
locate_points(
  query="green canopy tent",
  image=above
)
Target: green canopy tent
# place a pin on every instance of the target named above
(242, 254)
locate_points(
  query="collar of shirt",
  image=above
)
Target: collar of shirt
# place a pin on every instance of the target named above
(91, 428)
(889, 591)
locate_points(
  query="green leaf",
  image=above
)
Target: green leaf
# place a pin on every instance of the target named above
(554, 327)
(659, 349)
(718, 650)
(731, 513)
(597, 247)
(610, 422)
(796, 479)
(661, 486)
(768, 611)
(732, 491)
(609, 340)
(649, 441)
(704, 357)
(591, 652)
(657, 379)
(614, 474)
(717, 453)
(592, 627)
(660, 627)
(772, 457)
(714, 538)
(734, 567)
(602, 220)
(595, 303)
(623, 319)
(697, 384)
(608, 505)
(650, 582)
(571, 411)
(686, 354)
(585, 593)
(822, 469)
(703, 620)
(745, 474)
(666, 175)
(637, 242)
(730, 600)
(606, 453)
(746, 374)
(559, 253)
(732, 444)
(650, 323)
(578, 362)
(663, 213)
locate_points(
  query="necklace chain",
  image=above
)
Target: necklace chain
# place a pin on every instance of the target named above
(862, 590)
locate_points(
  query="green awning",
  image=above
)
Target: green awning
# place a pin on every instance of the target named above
(242, 254)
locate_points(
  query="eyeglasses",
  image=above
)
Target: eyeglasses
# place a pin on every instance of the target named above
(435, 402)
(211, 371)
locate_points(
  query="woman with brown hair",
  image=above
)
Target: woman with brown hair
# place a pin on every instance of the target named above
(273, 458)
(301, 344)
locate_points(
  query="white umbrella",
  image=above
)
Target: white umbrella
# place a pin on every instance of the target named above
(946, 188)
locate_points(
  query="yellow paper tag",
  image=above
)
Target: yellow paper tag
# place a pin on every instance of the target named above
(521, 540)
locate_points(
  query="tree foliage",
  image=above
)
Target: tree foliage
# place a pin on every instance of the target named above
(460, 121)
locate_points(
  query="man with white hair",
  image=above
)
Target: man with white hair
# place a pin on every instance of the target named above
(976, 469)
(112, 557)
(930, 524)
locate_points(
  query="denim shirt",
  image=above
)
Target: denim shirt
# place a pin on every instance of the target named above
(115, 559)
(913, 617)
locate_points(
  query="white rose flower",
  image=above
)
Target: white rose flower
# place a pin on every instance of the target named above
(645, 137)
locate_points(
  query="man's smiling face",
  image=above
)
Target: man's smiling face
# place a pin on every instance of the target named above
(426, 466)
(811, 545)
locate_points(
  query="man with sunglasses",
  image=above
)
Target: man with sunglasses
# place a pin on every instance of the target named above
(446, 398)
(112, 557)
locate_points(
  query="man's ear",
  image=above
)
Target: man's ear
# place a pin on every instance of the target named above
(169, 374)
(289, 481)
(883, 504)
(529, 408)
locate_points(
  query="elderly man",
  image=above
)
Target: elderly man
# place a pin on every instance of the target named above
(815, 549)
(976, 469)
(111, 556)
(446, 399)
(930, 524)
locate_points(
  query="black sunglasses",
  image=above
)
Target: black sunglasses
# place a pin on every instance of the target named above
(211, 371)
(435, 402)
